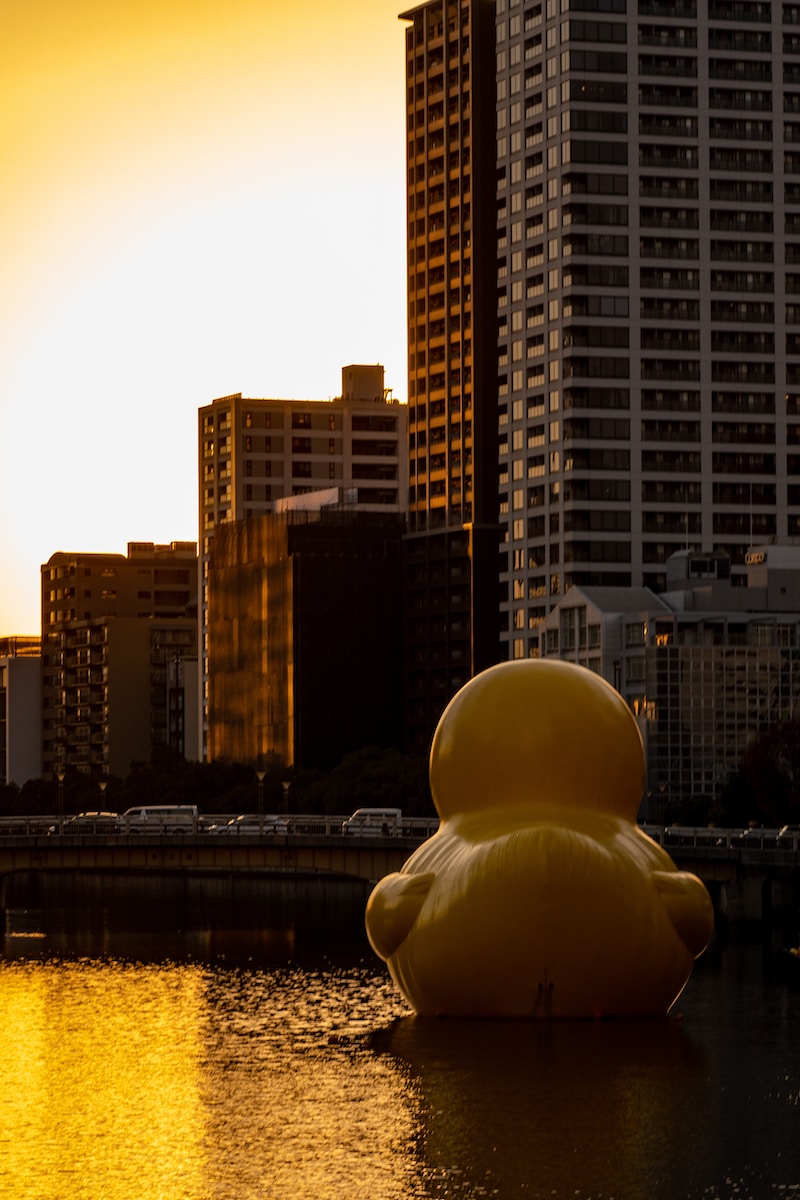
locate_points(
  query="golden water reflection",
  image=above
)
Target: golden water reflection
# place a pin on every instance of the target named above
(175, 1082)
(103, 1070)
(240, 1072)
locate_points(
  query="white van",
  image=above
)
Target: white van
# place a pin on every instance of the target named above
(160, 818)
(374, 822)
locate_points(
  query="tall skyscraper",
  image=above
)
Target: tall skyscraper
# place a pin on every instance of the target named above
(451, 574)
(648, 199)
(645, 232)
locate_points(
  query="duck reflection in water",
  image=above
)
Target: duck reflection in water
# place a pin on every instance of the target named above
(550, 1108)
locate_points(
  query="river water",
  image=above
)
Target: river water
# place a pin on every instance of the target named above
(235, 1064)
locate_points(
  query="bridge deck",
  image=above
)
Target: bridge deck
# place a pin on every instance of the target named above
(318, 847)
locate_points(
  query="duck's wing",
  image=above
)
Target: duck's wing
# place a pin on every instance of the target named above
(688, 906)
(392, 909)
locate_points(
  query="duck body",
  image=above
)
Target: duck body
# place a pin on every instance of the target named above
(539, 896)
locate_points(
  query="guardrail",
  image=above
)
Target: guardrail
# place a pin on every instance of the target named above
(304, 825)
(211, 825)
(733, 840)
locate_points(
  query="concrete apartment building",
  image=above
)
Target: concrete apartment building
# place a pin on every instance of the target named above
(648, 197)
(451, 627)
(256, 454)
(645, 232)
(20, 710)
(119, 657)
(705, 665)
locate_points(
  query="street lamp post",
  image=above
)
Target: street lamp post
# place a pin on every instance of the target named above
(260, 776)
(175, 697)
(60, 778)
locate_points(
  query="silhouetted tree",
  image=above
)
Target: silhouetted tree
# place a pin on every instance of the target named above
(735, 805)
(372, 778)
(771, 770)
(10, 800)
(690, 810)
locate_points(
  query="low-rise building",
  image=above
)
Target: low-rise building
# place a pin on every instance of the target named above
(20, 709)
(705, 665)
(119, 651)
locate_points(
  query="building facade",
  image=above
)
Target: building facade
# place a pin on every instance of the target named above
(451, 626)
(119, 658)
(20, 710)
(648, 232)
(304, 660)
(255, 454)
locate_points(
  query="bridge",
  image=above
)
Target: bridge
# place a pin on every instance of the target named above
(751, 874)
(292, 860)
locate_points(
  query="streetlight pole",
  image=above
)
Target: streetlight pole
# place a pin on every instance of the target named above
(260, 776)
(60, 778)
(176, 719)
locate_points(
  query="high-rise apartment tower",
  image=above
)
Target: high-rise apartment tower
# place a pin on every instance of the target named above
(643, 227)
(451, 571)
(648, 272)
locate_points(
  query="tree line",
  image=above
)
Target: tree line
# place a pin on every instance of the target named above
(371, 777)
(763, 790)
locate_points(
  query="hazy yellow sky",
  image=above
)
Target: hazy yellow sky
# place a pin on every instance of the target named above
(198, 198)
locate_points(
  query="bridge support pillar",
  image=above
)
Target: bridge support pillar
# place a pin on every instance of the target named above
(761, 898)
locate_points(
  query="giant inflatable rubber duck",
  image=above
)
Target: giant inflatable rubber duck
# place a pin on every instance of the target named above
(539, 896)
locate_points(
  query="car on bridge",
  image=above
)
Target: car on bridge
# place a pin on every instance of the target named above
(159, 818)
(374, 822)
(86, 822)
(248, 823)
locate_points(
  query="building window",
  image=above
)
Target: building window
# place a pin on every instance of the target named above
(635, 633)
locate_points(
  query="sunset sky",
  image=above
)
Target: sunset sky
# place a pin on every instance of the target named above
(198, 198)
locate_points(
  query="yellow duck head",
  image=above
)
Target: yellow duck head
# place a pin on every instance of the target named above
(539, 896)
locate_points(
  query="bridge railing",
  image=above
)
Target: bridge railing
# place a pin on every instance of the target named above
(210, 825)
(26, 826)
(671, 837)
(711, 839)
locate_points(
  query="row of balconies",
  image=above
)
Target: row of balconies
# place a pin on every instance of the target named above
(70, 660)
